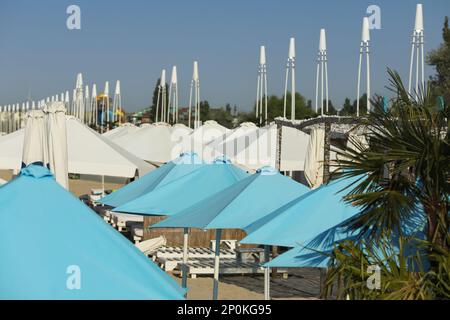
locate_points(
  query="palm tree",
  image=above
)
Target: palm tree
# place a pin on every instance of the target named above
(405, 165)
(404, 169)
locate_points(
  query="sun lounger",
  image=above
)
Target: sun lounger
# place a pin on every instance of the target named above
(170, 257)
(137, 232)
(150, 246)
(123, 221)
(205, 266)
(104, 212)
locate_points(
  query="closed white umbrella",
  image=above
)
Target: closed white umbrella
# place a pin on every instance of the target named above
(88, 153)
(314, 158)
(35, 148)
(57, 141)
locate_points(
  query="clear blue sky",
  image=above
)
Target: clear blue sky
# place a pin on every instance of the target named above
(133, 40)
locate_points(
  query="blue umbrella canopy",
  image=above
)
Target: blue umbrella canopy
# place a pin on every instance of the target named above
(239, 205)
(304, 217)
(54, 247)
(315, 253)
(184, 192)
(171, 171)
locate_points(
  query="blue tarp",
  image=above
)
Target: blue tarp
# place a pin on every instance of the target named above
(239, 205)
(51, 244)
(171, 171)
(182, 193)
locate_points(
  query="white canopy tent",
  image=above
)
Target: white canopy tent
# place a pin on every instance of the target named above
(153, 143)
(120, 131)
(88, 153)
(199, 139)
(252, 148)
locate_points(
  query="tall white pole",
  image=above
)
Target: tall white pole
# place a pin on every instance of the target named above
(117, 103)
(217, 265)
(285, 89)
(290, 68)
(173, 95)
(261, 93)
(106, 106)
(185, 257)
(94, 105)
(364, 51)
(417, 54)
(190, 103)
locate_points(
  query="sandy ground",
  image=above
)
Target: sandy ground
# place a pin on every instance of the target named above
(80, 186)
(301, 284)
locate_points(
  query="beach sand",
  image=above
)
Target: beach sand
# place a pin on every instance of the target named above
(302, 284)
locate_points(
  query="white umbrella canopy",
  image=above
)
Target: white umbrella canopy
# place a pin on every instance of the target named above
(248, 146)
(200, 138)
(88, 153)
(57, 141)
(154, 143)
(120, 131)
(33, 141)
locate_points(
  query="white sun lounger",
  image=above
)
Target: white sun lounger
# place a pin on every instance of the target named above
(205, 266)
(150, 246)
(170, 257)
(123, 221)
(137, 232)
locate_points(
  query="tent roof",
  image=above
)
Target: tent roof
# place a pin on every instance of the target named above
(185, 191)
(239, 205)
(167, 173)
(304, 217)
(120, 131)
(88, 153)
(156, 143)
(44, 237)
(253, 147)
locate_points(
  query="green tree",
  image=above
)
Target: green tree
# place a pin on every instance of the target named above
(347, 108)
(204, 110)
(440, 60)
(275, 107)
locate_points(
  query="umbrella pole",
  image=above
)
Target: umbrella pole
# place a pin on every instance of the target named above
(266, 274)
(185, 258)
(103, 186)
(217, 264)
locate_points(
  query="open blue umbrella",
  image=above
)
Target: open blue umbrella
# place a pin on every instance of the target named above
(304, 217)
(237, 207)
(184, 192)
(54, 247)
(315, 253)
(171, 171)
